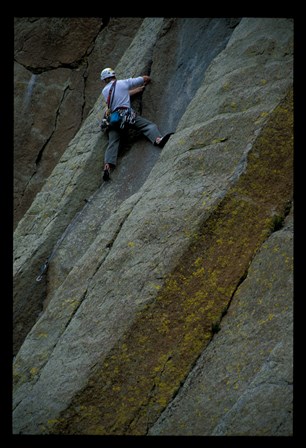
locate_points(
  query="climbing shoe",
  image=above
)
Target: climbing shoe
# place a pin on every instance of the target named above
(161, 142)
(106, 172)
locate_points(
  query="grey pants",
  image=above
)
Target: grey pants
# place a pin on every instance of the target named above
(149, 129)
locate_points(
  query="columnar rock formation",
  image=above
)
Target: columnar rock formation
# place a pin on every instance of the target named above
(167, 304)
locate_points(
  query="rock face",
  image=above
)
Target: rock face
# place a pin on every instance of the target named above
(56, 84)
(242, 382)
(167, 304)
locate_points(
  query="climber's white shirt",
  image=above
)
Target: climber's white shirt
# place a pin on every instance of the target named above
(122, 97)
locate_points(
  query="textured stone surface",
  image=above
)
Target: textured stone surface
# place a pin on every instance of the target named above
(61, 40)
(118, 254)
(242, 384)
(74, 179)
(56, 85)
(153, 41)
(149, 363)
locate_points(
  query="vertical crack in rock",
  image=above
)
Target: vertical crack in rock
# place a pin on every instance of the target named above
(85, 75)
(74, 311)
(137, 369)
(152, 356)
(57, 114)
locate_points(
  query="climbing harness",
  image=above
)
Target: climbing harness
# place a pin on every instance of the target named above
(121, 115)
(128, 116)
(109, 117)
(110, 98)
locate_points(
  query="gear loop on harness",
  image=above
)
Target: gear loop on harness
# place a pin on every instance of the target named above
(128, 116)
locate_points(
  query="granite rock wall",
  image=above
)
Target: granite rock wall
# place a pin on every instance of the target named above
(161, 279)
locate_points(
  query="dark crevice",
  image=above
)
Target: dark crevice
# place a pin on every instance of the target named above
(40, 154)
(74, 312)
(39, 70)
(90, 49)
(85, 76)
(110, 244)
(138, 413)
(278, 220)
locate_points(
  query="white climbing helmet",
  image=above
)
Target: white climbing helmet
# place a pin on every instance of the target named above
(107, 73)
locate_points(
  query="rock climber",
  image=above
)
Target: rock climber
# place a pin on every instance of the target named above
(117, 96)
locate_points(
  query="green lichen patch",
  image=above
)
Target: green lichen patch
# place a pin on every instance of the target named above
(131, 387)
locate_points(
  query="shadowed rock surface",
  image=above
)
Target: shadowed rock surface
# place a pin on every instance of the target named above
(158, 281)
(56, 74)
